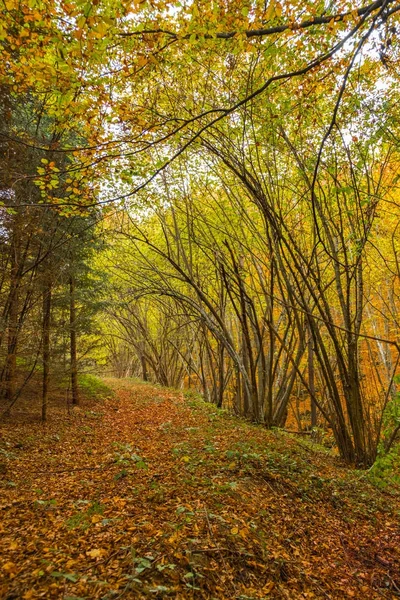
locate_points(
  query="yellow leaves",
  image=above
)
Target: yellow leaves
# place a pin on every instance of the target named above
(32, 17)
(352, 16)
(274, 9)
(119, 502)
(101, 29)
(173, 538)
(13, 545)
(250, 48)
(96, 518)
(142, 61)
(39, 572)
(364, 589)
(70, 563)
(10, 568)
(195, 10)
(186, 459)
(81, 22)
(270, 11)
(243, 532)
(282, 554)
(78, 34)
(96, 553)
(332, 26)
(28, 595)
(267, 589)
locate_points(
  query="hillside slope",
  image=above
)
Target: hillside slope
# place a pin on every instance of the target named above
(153, 495)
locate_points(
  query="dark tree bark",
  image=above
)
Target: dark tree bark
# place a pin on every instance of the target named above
(46, 345)
(311, 381)
(12, 339)
(72, 329)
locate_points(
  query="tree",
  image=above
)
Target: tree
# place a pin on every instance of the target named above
(252, 148)
(37, 242)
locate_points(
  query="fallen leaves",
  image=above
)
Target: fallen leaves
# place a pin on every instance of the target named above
(10, 568)
(96, 553)
(194, 521)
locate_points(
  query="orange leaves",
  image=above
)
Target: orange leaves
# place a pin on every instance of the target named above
(180, 523)
(10, 568)
(13, 545)
(78, 33)
(142, 61)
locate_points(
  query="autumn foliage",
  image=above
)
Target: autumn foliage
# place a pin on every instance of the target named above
(203, 195)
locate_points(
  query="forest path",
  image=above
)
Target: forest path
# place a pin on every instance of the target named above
(151, 494)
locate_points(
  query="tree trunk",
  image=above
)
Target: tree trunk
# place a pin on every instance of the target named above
(311, 381)
(72, 330)
(145, 376)
(46, 345)
(221, 381)
(11, 359)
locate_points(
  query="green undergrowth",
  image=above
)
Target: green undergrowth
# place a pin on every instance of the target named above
(300, 467)
(93, 387)
(385, 473)
(138, 381)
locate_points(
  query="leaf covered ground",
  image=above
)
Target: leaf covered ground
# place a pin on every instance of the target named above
(152, 494)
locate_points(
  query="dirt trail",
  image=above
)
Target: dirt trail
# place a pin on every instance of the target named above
(153, 495)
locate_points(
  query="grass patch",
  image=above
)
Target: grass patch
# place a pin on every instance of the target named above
(93, 387)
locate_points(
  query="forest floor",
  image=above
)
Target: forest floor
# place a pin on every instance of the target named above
(153, 494)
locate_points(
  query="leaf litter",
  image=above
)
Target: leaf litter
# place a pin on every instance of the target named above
(165, 496)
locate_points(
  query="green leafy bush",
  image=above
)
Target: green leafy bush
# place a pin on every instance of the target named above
(386, 469)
